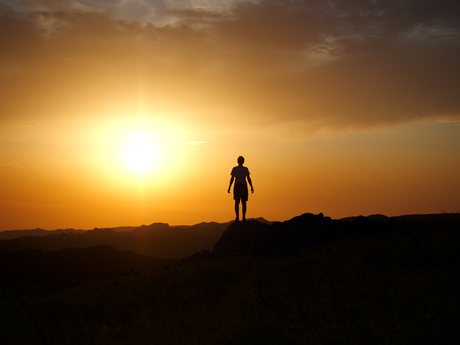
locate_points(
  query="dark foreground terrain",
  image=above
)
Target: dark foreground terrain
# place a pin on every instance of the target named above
(310, 280)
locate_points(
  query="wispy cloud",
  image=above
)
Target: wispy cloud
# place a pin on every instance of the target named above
(196, 142)
(176, 138)
(18, 167)
(320, 64)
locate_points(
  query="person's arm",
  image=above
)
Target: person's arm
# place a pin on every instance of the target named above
(250, 183)
(230, 185)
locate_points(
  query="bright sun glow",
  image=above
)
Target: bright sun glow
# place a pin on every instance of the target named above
(138, 150)
(140, 154)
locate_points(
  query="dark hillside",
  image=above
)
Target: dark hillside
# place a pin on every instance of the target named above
(25, 270)
(359, 281)
(309, 280)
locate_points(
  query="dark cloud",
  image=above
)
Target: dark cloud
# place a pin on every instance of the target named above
(333, 64)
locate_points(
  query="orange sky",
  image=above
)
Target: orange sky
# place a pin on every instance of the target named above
(129, 112)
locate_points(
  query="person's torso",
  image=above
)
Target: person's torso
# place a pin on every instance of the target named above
(240, 173)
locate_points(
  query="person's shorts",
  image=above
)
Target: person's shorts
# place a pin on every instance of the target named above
(240, 192)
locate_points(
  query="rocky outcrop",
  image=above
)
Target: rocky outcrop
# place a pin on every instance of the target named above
(291, 236)
(254, 237)
(288, 238)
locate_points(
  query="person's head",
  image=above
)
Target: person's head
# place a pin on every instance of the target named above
(240, 160)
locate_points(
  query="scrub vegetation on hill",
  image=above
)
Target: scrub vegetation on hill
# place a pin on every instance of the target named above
(394, 287)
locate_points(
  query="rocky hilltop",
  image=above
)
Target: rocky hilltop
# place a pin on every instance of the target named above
(288, 238)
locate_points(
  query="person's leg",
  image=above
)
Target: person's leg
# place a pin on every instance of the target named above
(237, 209)
(243, 202)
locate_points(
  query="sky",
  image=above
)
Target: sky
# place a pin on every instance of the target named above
(130, 112)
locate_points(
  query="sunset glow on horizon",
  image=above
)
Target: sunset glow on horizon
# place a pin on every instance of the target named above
(130, 113)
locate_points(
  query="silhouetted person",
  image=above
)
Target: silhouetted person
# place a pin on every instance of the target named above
(240, 191)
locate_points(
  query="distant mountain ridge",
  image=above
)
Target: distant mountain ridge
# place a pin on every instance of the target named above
(158, 240)
(9, 234)
(152, 229)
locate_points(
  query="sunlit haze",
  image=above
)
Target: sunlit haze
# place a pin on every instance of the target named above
(120, 113)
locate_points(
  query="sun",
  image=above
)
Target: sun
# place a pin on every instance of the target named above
(140, 154)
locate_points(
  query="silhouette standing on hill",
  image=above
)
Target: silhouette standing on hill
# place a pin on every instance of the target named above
(240, 190)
